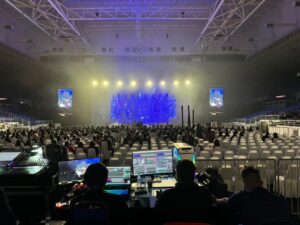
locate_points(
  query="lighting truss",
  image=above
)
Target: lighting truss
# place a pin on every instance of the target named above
(226, 17)
(50, 16)
(173, 13)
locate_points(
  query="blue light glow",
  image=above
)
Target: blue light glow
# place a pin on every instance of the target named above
(149, 108)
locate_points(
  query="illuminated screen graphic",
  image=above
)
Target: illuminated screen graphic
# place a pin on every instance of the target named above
(152, 162)
(216, 97)
(8, 156)
(148, 108)
(74, 170)
(65, 98)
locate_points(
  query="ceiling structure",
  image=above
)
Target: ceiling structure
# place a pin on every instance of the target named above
(145, 27)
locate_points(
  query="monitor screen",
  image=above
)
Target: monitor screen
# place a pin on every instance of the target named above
(216, 97)
(70, 171)
(152, 162)
(8, 156)
(118, 175)
(65, 98)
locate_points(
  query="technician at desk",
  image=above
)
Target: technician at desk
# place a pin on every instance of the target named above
(96, 177)
(187, 202)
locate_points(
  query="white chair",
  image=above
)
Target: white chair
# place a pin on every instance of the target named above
(114, 161)
(105, 154)
(128, 161)
(228, 154)
(197, 151)
(227, 172)
(71, 156)
(205, 154)
(80, 154)
(290, 153)
(133, 149)
(215, 162)
(278, 154)
(265, 154)
(273, 148)
(243, 151)
(217, 154)
(253, 154)
(91, 153)
(123, 149)
(284, 148)
(118, 155)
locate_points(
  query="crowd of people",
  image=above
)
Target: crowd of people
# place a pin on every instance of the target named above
(115, 135)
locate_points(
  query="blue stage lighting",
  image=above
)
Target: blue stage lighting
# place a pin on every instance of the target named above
(149, 108)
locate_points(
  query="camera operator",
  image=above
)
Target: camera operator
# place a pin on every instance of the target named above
(214, 182)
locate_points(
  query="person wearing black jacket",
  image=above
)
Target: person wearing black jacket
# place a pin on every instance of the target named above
(7, 217)
(95, 178)
(187, 202)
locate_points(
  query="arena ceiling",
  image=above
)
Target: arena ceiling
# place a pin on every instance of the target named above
(146, 27)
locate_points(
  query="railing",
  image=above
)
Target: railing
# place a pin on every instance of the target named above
(285, 123)
(288, 182)
(252, 121)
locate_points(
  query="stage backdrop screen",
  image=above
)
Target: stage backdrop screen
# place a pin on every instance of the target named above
(216, 97)
(65, 98)
(140, 106)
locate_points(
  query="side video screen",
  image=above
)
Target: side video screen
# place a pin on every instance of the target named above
(65, 98)
(216, 97)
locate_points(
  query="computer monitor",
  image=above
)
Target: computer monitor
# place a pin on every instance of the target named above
(6, 157)
(119, 175)
(72, 171)
(152, 162)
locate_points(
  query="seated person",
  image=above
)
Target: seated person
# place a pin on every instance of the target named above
(7, 217)
(55, 152)
(267, 135)
(93, 145)
(95, 178)
(255, 204)
(187, 202)
(275, 137)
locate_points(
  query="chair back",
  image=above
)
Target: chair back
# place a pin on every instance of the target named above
(91, 153)
(104, 150)
(90, 213)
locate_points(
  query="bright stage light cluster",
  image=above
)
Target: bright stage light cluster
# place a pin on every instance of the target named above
(149, 83)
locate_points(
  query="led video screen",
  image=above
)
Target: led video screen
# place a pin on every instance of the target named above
(65, 98)
(148, 108)
(216, 97)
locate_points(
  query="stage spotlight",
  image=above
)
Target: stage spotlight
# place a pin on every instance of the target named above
(119, 83)
(187, 82)
(95, 83)
(176, 83)
(149, 83)
(133, 83)
(162, 83)
(105, 83)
